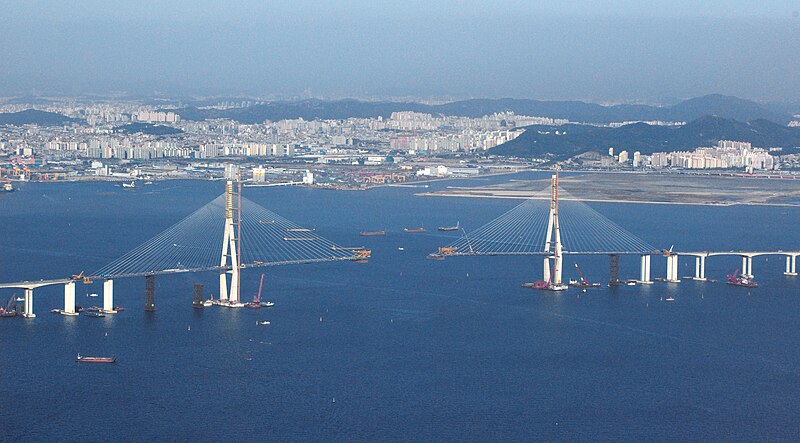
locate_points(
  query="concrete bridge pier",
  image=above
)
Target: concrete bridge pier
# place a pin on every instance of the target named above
(791, 265)
(546, 274)
(747, 266)
(27, 308)
(672, 269)
(644, 273)
(700, 268)
(69, 298)
(108, 297)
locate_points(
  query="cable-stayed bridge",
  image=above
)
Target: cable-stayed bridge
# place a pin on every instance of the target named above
(553, 225)
(226, 235)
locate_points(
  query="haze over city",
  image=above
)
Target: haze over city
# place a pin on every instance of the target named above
(598, 51)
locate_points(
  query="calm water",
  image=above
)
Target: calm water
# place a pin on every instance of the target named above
(410, 349)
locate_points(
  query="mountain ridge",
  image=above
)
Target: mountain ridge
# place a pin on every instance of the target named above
(565, 141)
(577, 111)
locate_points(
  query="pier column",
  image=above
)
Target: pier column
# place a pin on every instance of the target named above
(672, 269)
(150, 293)
(644, 273)
(546, 269)
(750, 267)
(69, 297)
(744, 265)
(613, 270)
(27, 311)
(700, 268)
(791, 261)
(108, 295)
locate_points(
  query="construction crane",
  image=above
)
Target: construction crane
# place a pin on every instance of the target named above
(86, 280)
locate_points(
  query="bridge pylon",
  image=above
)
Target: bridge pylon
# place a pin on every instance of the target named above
(229, 250)
(553, 243)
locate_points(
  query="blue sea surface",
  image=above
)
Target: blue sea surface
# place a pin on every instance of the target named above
(400, 348)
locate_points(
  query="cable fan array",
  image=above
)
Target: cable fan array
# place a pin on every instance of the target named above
(523, 230)
(195, 243)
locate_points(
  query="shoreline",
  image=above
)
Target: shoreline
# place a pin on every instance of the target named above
(600, 200)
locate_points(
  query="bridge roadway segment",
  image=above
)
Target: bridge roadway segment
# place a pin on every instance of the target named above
(108, 285)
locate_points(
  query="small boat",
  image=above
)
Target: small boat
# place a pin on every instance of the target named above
(435, 256)
(414, 230)
(94, 314)
(670, 298)
(267, 304)
(450, 228)
(20, 299)
(207, 303)
(130, 185)
(10, 313)
(262, 323)
(119, 308)
(371, 233)
(55, 311)
(91, 295)
(84, 359)
(401, 249)
(95, 309)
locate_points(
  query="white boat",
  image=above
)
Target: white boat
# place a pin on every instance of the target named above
(262, 323)
(207, 303)
(91, 295)
(267, 304)
(129, 185)
(20, 299)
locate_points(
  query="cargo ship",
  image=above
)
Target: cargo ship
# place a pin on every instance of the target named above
(414, 230)
(83, 359)
(371, 233)
(450, 228)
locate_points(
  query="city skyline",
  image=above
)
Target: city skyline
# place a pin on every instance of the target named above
(603, 51)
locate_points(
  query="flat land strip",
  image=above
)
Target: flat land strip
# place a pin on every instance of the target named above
(646, 188)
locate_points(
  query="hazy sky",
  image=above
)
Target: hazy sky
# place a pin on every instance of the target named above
(597, 50)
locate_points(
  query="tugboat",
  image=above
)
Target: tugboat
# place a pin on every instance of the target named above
(84, 359)
(737, 279)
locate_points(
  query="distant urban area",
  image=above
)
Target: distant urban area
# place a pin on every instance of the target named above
(69, 140)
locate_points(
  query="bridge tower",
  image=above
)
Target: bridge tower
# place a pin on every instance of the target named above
(553, 242)
(229, 249)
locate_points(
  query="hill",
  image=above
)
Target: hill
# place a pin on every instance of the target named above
(35, 117)
(569, 140)
(719, 105)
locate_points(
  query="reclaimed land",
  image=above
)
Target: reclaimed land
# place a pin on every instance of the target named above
(687, 189)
